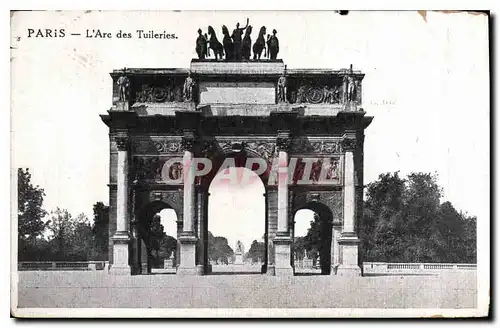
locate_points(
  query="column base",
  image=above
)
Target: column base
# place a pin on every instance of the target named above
(282, 255)
(187, 254)
(348, 243)
(348, 271)
(200, 269)
(120, 264)
(271, 270)
(333, 270)
(120, 270)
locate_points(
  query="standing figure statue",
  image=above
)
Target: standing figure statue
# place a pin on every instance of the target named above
(282, 88)
(247, 44)
(188, 88)
(236, 36)
(214, 44)
(201, 45)
(228, 43)
(260, 44)
(267, 42)
(123, 83)
(349, 87)
(273, 45)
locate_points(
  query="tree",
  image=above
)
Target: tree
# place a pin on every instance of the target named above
(168, 244)
(218, 248)
(256, 252)
(68, 234)
(30, 212)
(404, 221)
(156, 235)
(100, 230)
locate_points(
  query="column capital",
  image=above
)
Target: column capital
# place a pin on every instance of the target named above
(122, 142)
(349, 144)
(188, 140)
(283, 141)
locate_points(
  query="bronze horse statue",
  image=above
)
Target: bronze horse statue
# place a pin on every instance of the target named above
(228, 43)
(247, 44)
(214, 44)
(260, 44)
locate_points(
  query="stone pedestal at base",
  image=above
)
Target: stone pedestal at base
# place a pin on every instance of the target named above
(200, 269)
(282, 266)
(348, 243)
(168, 264)
(307, 263)
(120, 264)
(188, 255)
(238, 258)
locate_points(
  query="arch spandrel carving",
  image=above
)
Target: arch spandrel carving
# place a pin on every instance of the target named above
(333, 199)
(173, 198)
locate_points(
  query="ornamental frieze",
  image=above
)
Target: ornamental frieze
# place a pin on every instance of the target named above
(265, 149)
(159, 94)
(157, 146)
(318, 147)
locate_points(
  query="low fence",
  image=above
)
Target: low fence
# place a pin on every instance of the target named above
(415, 268)
(63, 266)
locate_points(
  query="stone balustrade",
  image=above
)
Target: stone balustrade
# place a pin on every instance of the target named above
(383, 268)
(62, 265)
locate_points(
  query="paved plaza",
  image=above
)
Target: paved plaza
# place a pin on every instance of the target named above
(73, 289)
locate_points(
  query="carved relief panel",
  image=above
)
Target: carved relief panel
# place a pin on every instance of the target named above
(331, 199)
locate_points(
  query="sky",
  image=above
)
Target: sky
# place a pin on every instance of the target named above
(426, 84)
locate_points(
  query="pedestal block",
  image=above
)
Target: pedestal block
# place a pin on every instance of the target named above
(238, 258)
(349, 243)
(168, 264)
(282, 255)
(188, 255)
(120, 264)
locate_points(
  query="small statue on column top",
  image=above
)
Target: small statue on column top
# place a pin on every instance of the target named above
(282, 88)
(188, 88)
(349, 87)
(123, 83)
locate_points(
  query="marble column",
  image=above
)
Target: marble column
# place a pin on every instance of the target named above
(201, 265)
(283, 241)
(348, 240)
(335, 251)
(121, 238)
(188, 238)
(272, 226)
(263, 268)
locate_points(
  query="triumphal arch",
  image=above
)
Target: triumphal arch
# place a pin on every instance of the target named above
(305, 125)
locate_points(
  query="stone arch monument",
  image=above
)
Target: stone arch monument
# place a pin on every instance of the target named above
(290, 118)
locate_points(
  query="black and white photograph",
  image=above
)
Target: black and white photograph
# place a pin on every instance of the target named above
(250, 164)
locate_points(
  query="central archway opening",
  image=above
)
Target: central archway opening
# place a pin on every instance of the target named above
(236, 222)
